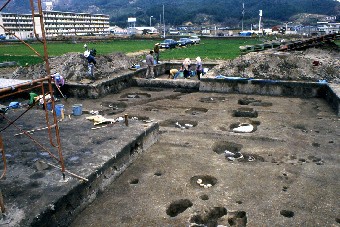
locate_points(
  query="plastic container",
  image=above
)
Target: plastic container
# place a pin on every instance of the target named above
(32, 96)
(14, 105)
(59, 108)
(49, 106)
(77, 109)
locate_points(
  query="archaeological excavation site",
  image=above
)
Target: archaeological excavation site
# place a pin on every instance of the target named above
(130, 151)
(254, 142)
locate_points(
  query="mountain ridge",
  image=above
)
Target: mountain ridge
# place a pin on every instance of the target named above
(199, 12)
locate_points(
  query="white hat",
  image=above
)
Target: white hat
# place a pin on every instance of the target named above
(187, 61)
(198, 59)
(86, 54)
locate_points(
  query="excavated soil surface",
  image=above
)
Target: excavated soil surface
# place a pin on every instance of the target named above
(283, 173)
(286, 176)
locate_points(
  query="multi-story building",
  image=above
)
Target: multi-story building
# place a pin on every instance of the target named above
(56, 24)
(325, 28)
(19, 24)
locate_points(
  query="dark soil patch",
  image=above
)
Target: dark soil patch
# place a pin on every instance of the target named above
(245, 112)
(179, 123)
(212, 99)
(196, 111)
(178, 207)
(221, 146)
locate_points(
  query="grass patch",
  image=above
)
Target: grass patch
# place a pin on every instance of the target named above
(217, 49)
(208, 49)
(21, 60)
(57, 49)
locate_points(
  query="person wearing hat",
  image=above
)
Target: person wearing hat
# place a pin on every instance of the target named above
(199, 67)
(59, 80)
(156, 51)
(186, 68)
(91, 63)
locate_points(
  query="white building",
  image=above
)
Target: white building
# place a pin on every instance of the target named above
(141, 30)
(328, 27)
(19, 24)
(116, 30)
(56, 24)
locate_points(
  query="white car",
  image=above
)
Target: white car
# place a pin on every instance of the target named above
(195, 39)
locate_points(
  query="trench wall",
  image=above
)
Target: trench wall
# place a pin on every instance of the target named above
(82, 194)
(126, 79)
(115, 84)
(264, 87)
(329, 92)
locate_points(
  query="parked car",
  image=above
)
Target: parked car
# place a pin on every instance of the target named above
(174, 32)
(195, 39)
(168, 43)
(2, 37)
(184, 42)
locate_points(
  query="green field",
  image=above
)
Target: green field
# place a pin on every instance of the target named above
(208, 49)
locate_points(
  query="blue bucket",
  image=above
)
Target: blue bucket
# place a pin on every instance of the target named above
(49, 106)
(58, 109)
(77, 109)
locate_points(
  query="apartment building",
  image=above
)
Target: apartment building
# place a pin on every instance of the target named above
(325, 28)
(56, 24)
(19, 24)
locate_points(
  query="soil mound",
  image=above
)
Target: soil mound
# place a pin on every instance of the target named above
(312, 64)
(73, 66)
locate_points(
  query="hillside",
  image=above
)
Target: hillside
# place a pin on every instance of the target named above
(201, 12)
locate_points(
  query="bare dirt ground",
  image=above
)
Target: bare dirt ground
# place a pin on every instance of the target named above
(287, 176)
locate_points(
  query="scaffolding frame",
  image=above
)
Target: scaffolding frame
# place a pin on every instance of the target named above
(17, 88)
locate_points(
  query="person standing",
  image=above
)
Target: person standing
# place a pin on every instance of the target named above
(199, 67)
(186, 68)
(91, 63)
(150, 64)
(156, 51)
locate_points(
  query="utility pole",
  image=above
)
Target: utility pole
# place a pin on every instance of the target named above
(242, 14)
(150, 20)
(260, 14)
(164, 24)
